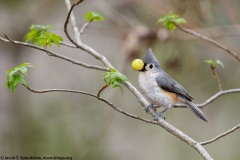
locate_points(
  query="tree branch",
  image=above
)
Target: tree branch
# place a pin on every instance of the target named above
(213, 98)
(221, 135)
(53, 54)
(219, 45)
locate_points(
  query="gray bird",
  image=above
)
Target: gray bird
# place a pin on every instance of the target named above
(161, 90)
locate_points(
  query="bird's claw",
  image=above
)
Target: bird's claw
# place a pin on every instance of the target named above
(150, 106)
(159, 115)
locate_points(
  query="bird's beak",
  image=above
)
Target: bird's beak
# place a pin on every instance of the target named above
(137, 64)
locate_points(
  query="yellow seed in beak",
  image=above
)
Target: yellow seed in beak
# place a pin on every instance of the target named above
(137, 64)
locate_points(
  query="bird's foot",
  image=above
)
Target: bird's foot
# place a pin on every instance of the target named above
(159, 115)
(150, 106)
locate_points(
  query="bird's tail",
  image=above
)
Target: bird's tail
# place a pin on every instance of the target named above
(196, 110)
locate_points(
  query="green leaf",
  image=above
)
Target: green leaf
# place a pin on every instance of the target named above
(93, 16)
(20, 68)
(114, 78)
(39, 35)
(179, 20)
(56, 39)
(30, 35)
(211, 62)
(170, 20)
(16, 75)
(16, 79)
(42, 42)
(214, 63)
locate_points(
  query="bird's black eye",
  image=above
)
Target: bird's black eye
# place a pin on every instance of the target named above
(150, 66)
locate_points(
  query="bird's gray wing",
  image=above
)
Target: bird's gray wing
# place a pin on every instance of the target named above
(167, 83)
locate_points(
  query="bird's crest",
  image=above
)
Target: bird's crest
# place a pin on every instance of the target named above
(150, 58)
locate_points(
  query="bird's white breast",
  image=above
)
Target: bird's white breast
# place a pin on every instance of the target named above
(151, 90)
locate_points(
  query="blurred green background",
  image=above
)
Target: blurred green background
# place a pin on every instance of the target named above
(64, 124)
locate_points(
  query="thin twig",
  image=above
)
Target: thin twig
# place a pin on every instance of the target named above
(221, 135)
(219, 45)
(213, 98)
(100, 90)
(73, 21)
(85, 26)
(54, 54)
(215, 75)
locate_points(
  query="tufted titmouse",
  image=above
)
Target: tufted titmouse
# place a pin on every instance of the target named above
(160, 89)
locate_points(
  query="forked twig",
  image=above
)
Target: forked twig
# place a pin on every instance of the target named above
(213, 98)
(77, 34)
(73, 21)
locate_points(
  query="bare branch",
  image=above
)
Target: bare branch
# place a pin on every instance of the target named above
(73, 21)
(57, 90)
(53, 54)
(213, 98)
(221, 135)
(219, 45)
(95, 96)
